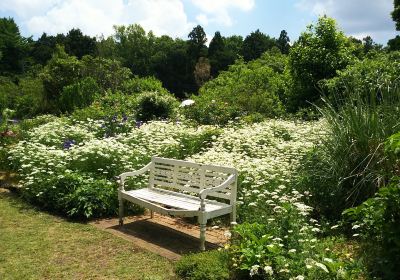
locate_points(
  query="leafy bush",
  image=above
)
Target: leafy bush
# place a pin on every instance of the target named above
(147, 84)
(317, 55)
(349, 165)
(377, 222)
(30, 98)
(78, 95)
(212, 265)
(246, 88)
(155, 105)
(107, 106)
(372, 77)
(74, 195)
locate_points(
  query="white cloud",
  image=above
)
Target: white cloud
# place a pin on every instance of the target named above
(218, 10)
(357, 18)
(96, 17)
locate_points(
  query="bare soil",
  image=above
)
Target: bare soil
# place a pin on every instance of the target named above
(169, 237)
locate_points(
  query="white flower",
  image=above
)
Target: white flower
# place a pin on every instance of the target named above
(254, 270)
(292, 251)
(299, 277)
(187, 102)
(322, 266)
(268, 269)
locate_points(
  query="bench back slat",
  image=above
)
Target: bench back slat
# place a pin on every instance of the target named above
(189, 177)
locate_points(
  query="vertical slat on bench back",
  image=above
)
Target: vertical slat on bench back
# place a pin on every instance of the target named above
(189, 177)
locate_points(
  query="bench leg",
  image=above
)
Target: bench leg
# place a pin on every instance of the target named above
(233, 215)
(151, 214)
(121, 212)
(203, 224)
(202, 237)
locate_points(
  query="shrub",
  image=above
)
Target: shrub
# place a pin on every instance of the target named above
(377, 222)
(155, 105)
(147, 84)
(212, 265)
(74, 195)
(78, 95)
(107, 106)
(246, 88)
(30, 98)
(372, 77)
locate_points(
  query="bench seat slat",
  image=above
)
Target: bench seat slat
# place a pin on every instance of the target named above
(169, 199)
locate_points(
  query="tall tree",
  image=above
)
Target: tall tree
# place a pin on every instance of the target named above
(283, 42)
(197, 43)
(255, 44)
(78, 44)
(394, 44)
(216, 53)
(396, 13)
(135, 48)
(317, 55)
(44, 47)
(13, 47)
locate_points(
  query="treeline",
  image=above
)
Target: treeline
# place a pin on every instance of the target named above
(181, 65)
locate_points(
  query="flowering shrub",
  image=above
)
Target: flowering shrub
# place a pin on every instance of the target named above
(68, 166)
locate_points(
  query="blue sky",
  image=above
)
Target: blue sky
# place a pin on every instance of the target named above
(176, 18)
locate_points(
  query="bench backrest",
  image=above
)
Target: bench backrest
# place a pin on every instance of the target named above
(191, 177)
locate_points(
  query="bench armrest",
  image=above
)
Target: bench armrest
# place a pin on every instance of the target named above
(122, 177)
(204, 192)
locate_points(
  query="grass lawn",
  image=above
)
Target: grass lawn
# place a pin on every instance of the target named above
(36, 245)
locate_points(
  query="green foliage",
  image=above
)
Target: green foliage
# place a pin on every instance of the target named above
(138, 85)
(134, 48)
(283, 42)
(377, 222)
(155, 105)
(30, 97)
(62, 70)
(371, 77)
(78, 45)
(247, 88)
(74, 195)
(108, 73)
(212, 265)
(78, 95)
(255, 44)
(261, 252)
(350, 163)
(394, 44)
(109, 105)
(13, 48)
(396, 13)
(317, 55)
(8, 93)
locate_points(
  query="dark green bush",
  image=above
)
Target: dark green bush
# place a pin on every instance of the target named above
(155, 105)
(78, 95)
(74, 195)
(212, 265)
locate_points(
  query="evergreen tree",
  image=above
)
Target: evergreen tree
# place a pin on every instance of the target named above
(283, 42)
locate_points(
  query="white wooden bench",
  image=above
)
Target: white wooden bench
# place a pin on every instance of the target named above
(183, 188)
